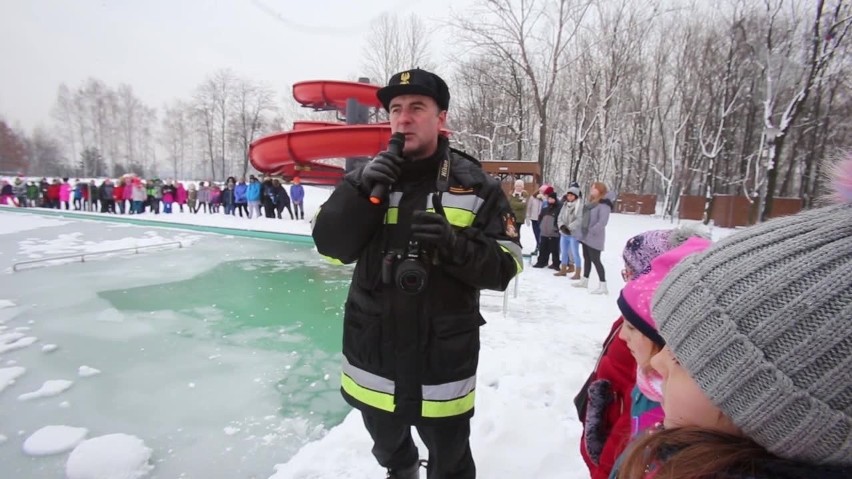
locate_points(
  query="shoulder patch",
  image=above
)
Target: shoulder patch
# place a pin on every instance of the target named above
(509, 225)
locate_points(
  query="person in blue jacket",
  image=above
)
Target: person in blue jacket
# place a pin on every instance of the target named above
(297, 195)
(240, 200)
(253, 197)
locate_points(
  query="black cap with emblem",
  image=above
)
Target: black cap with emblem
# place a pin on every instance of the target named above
(416, 82)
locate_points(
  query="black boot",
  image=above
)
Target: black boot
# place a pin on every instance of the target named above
(412, 472)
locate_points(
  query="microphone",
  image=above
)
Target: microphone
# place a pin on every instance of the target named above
(395, 146)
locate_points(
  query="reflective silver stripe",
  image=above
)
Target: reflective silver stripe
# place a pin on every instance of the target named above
(471, 203)
(394, 199)
(368, 380)
(449, 391)
(514, 249)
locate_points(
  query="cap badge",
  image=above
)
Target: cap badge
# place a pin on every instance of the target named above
(404, 78)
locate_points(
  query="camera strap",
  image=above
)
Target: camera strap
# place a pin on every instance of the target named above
(442, 184)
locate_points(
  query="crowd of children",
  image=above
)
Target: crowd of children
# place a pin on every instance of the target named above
(730, 360)
(133, 195)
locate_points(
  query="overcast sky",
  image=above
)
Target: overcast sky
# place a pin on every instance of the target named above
(165, 48)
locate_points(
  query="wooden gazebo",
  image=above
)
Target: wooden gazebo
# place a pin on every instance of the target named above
(509, 171)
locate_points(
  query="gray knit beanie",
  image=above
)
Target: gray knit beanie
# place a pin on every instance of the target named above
(763, 323)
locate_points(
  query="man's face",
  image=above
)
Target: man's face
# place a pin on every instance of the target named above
(418, 118)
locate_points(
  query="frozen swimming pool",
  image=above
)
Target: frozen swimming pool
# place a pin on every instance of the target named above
(223, 356)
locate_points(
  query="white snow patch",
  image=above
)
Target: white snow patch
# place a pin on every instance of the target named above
(5, 303)
(231, 430)
(48, 389)
(86, 371)
(49, 348)
(8, 376)
(3, 438)
(54, 440)
(65, 404)
(114, 456)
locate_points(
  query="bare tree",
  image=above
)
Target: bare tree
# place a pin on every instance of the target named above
(532, 35)
(252, 104)
(828, 27)
(395, 44)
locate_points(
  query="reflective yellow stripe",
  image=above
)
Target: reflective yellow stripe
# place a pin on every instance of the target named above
(515, 251)
(459, 217)
(369, 397)
(392, 215)
(333, 261)
(451, 408)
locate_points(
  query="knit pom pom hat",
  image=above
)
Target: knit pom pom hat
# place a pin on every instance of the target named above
(635, 299)
(763, 323)
(641, 249)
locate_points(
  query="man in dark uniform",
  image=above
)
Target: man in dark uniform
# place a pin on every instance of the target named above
(442, 232)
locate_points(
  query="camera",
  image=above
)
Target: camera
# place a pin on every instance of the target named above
(408, 270)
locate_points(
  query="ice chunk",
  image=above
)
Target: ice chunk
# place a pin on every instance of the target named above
(16, 344)
(86, 371)
(48, 389)
(54, 440)
(8, 376)
(114, 456)
(49, 348)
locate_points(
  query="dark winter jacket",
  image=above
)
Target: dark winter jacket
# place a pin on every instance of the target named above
(282, 199)
(106, 191)
(548, 219)
(227, 196)
(415, 355)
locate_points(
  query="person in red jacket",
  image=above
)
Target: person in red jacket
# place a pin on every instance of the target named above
(53, 194)
(603, 406)
(118, 195)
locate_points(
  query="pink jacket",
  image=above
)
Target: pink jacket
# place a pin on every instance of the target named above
(64, 192)
(181, 194)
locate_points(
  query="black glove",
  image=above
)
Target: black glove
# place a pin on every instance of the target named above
(564, 229)
(432, 229)
(383, 169)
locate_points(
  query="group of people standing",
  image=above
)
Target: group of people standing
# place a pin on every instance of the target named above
(133, 195)
(565, 226)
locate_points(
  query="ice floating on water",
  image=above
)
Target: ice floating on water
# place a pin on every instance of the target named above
(48, 389)
(8, 376)
(5, 303)
(54, 440)
(114, 456)
(49, 348)
(13, 344)
(86, 371)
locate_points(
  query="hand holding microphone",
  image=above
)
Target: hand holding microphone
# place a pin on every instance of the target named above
(384, 169)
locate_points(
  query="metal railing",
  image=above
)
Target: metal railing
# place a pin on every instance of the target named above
(82, 256)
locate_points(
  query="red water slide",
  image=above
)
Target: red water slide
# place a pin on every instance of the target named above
(295, 153)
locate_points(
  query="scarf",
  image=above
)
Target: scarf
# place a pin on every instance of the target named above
(651, 384)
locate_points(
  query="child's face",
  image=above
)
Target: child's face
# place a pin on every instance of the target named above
(640, 346)
(683, 401)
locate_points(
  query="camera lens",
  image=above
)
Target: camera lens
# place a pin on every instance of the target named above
(411, 276)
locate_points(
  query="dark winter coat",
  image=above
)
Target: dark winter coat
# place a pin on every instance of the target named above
(548, 219)
(415, 356)
(282, 199)
(227, 196)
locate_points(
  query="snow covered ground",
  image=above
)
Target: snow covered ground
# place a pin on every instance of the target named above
(534, 358)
